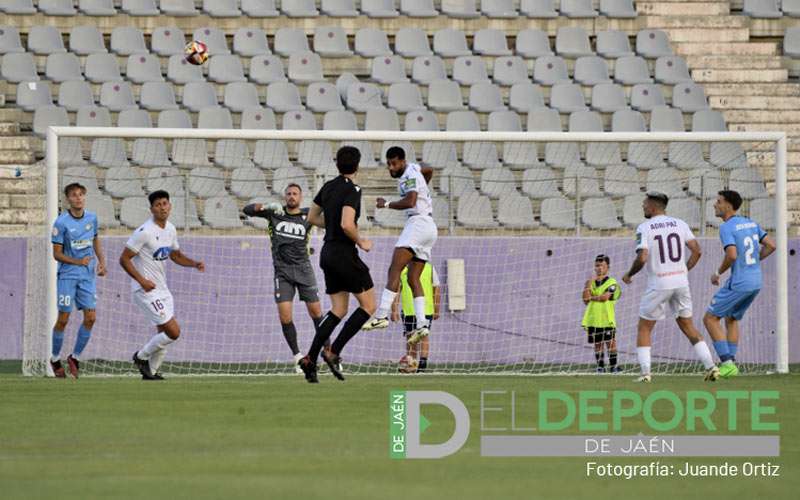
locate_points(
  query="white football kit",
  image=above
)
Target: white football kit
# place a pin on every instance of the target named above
(419, 233)
(153, 246)
(665, 239)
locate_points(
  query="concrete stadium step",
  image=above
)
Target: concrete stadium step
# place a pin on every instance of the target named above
(758, 116)
(14, 157)
(735, 62)
(737, 76)
(771, 27)
(708, 35)
(755, 102)
(745, 48)
(18, 142)
(9, 129)
(700, 21)
(752, 89)
(683, 8)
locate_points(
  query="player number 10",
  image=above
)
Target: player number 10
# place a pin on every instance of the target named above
(673, 240)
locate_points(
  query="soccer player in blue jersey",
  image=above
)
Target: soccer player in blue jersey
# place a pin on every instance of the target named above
(76, 247)
(745, 245)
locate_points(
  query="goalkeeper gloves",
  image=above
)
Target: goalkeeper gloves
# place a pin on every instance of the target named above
(275, 208)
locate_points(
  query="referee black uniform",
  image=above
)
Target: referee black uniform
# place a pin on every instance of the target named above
(343, 268)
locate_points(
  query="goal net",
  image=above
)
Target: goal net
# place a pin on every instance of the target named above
(521, 217)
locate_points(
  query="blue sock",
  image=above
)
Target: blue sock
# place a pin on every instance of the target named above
(732, 348)
(721, 346)
(58, 340)
(81, 341)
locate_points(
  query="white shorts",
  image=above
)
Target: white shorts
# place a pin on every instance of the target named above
(156, 304)
(419, 235)
(654, 303)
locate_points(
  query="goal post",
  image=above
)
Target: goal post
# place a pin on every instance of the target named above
(474, 340)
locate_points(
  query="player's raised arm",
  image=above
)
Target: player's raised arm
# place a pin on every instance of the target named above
(316, 216)
(408, 201)
(179, 258)
(263, 211)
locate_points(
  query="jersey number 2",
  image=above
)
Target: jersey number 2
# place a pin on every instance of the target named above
(673, 240)
(750, 247)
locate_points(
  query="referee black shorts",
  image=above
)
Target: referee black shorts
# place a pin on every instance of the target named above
(596, 335)
(343, 269)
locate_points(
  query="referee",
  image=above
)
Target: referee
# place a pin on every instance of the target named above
(337, 207)
(600, 296)
(289, 231)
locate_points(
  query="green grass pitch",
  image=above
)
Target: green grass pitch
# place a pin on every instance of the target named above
(278, 437)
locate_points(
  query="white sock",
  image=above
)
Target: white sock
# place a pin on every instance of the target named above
(386, 303)
(419, 311)
(158, 341)
(156, 358)
(643, 353)
(704, 353)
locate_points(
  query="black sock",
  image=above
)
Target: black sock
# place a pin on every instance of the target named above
(350, 328)
(612, 358)
(423, 363)
(601, 362)
(324, 330)
(316, 329)
(290, 334)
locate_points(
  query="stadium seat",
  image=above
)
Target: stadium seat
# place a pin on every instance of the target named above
(646, 96)
(450, 42)
(108, 153)
(221, 8)
(122, 182)
(456, 180)
(344, 81)
(515, 211)
(167, 41)
(259, 8)
(521, 155)
(613, 44)
(85, 40)
(583, 179)
(405, 97)
(270, 154)
(117, 96)
(532, 43)
(372, 42)
(762, 9)
(573, 42)
(70, 152)
(689, 97)
(687, 210)
(46, 116)
(621, 180)
(363, 96)
(498, 182)
(214, 39)
(379, 9)
(577, 8)
(444, 96)
(591, 70)
(388, 70)
(182, 216)
(539, 9)
(322, 97)
(199, 95)
(550, 70)
(485, 98)
(708, 120)
(181, 72)
(608, 98)
(248, 182)
(558, 213)
(299, 8)
(762, 210)
(178, 8)
(287, 41)
(190, 152)
(339, 8)
(249, 42)
(61, 68)
(101, 67)
(475, 211)
(103, 207)
(421, 121)
(504, 121)
(540, 183)
(97, 7)
(140, 8)
(258, 118)
(498, 9)
(462, 121)
(241, 96)
(339, 120)
(215, 117)
(791, 40)
(686, 156)
(83, 175)
(666, 119)
(523, 97)
(567, 98)
(143, 68)
(283, 97)
(18, 7)
(418, 8)
(748, 182)
(618, 9)
(666, 180)
(17, 68)
(44, 40)
(705, 183)
(441, 211)
(150, 152)
(232, 154)
(134, 211)
(427, 69)
(381, 119)
(127, 40)
(490, 42)
(93, 116)
(439, 154)
(412, 42)
(645, 155)
(331, 41)
(32, 95)
(599, 213)
(652, 44)
(57, 7)
(469, 70)
(10, 41)
(174, 118)
(632, 214)
(267, 69)
(631, 71)
(510, 70)
(74, 95)
(305, 67)
(462, 9)
(672, 70)
(727, 155)
(543, 119)
(284, 176)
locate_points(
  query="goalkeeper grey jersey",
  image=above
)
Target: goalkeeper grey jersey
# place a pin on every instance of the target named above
(288, 233)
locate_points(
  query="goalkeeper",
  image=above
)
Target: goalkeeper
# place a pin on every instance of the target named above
(418, 346)
(600, 296)
(289, 231)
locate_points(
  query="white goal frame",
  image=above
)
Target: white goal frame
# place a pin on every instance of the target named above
(778, 138)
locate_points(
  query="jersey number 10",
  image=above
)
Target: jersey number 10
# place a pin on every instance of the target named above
(674, 247)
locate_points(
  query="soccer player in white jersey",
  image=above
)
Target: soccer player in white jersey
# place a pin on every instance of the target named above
(143, 259)
(660, 241)
(413, 248)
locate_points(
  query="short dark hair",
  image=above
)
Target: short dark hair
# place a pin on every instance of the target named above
(157, 195)
(659, 198)
(603, 258)
(395, 152)
(293, 185)
(732, 197)
(73, 186)
(347, 159)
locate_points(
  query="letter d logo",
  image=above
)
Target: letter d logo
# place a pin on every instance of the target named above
(414, 449)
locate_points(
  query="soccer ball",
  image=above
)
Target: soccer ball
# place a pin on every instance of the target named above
(196, 52)
(407, 364)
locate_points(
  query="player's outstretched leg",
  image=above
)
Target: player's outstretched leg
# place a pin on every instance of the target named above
(400, 259)
(727, 368)
(415, 268)
(700, 348)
